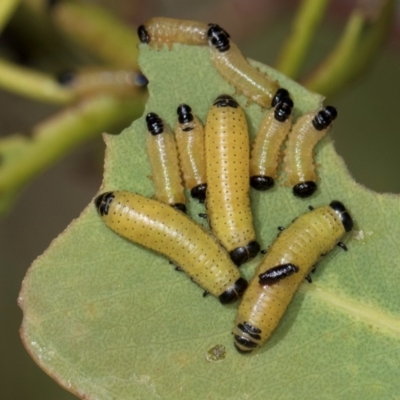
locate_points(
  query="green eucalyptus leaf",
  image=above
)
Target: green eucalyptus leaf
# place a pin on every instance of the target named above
(111, 320)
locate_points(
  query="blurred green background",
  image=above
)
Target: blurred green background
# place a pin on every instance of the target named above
(366, 136)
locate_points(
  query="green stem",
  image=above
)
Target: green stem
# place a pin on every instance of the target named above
(32, 84)
(99, 32)
(7, 7)
(57, 136)
(354, 52)
(294, 51)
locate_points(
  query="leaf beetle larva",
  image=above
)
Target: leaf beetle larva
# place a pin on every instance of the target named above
(228, 183)
(299, 166)
(189, 135)
(286, 264)
(163, 157)
(273, 130)
(234, 68)
(161, 228)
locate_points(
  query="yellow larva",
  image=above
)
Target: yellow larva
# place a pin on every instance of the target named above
(189, 135)
(287, 263)
(161, 228)
(90, 81)
(298, 161)
(266, 147)
(159, 31)
(227, 165)
(234, 68)
(163, 157)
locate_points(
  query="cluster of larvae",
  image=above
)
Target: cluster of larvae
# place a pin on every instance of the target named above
(217, 168)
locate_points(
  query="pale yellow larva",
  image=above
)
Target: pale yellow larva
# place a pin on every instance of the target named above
(189, 135)
(298, 162)
(161, 228)
(234, 68)
(286, 264)
(163, 157)
(273, 130)
(228, 183)
(159, 31)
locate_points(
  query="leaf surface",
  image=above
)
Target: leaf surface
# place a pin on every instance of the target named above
(111, 320)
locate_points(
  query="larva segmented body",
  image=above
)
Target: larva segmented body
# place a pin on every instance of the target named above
(285, 266)
(90, 81)
(299, 166)
(163, 157)
(273, 130)
(189, 134)
(227, 164)
(161, 228)
(159, 31)
(234, 68)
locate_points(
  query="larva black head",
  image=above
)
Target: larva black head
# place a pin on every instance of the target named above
(234, 292)
(143, 34)
(283, 109)
(324, 118)
(66, 77)
(103, 202)
(279, 95)
(304, 189)
(199, 192)
(184, 114)
(179, 206)
(243, 254)
(154, 123)
(261, 182)
(224, 100)
(218, 38)
(344, 215)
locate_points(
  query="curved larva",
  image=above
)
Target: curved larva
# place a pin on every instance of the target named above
(163, 157)
(227, 167)
(171, 233)
(234, 68)
(273, 130)
(189, 135)
(288, 261)
(94, 80)
(159, 31)
(298, 161)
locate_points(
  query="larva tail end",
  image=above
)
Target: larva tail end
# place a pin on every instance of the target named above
(103, 202)
(240, 350)
(244, 345)
(234, 292)
(344, 215)
(199, 192)
(179, 206)
(260, 182)
(243, 254)
(304, 189)
(143, 34)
